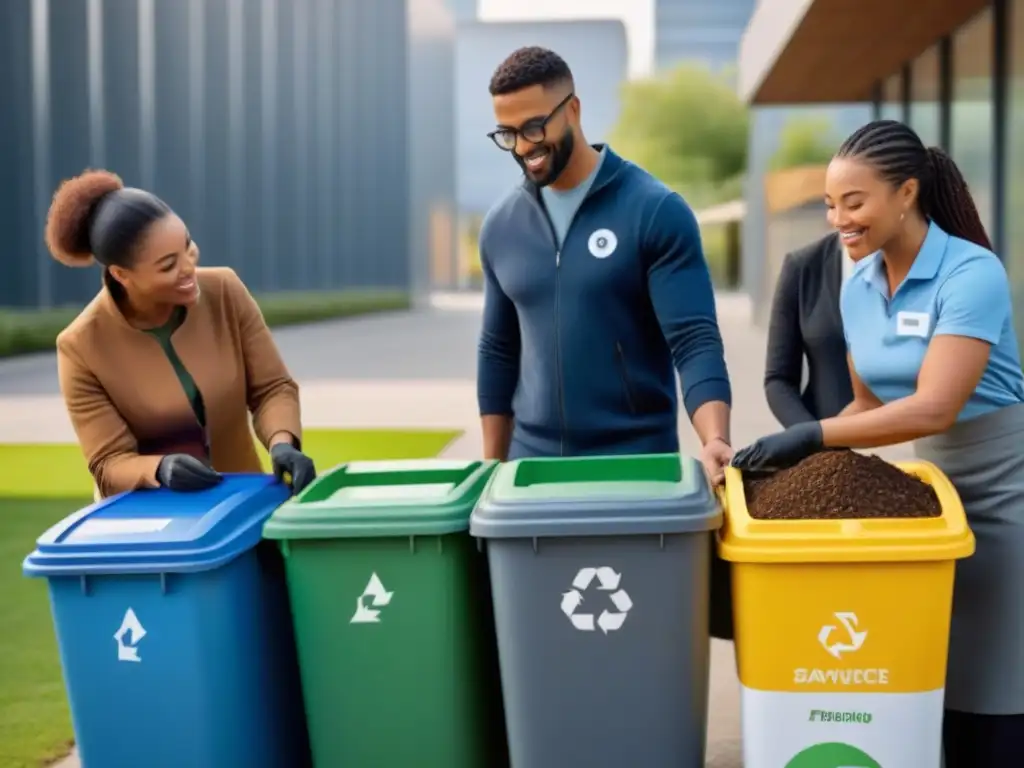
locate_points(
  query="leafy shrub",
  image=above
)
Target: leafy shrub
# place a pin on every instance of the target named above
(26, 331)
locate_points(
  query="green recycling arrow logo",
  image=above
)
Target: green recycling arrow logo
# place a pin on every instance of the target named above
(833, 755)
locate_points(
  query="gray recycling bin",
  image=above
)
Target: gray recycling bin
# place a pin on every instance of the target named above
(599, 570)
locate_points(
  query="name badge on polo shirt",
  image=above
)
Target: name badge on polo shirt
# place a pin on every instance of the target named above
(913, 324)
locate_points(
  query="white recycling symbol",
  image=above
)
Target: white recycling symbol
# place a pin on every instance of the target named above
(374, 595)
(608, 581)
(838, 648)
(128, 636)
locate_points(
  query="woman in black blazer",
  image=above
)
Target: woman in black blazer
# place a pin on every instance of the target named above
(806, 323)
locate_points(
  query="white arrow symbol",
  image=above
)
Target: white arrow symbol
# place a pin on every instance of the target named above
(621, 601)
(609, 578)
(132, 632)
(583, 621)
(608, 581)
(584, 577)
(571, 601)
(610, 621)
(375, 589)
(823, 636)
(379, 597)
(849, 622)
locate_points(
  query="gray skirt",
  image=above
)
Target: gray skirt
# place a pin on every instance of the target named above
(984, 458)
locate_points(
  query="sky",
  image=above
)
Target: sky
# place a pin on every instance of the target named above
(638, 16)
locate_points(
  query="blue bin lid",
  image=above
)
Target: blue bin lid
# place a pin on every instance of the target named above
(596, 496)
(160, 531)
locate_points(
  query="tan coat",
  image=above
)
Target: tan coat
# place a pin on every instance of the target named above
(129, 409)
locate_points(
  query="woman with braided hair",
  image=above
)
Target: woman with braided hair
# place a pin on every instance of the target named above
(933, 358)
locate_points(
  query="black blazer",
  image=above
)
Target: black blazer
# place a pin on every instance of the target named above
(805, 322)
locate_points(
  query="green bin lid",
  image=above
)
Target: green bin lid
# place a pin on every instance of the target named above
(363, 499)
(596, 496)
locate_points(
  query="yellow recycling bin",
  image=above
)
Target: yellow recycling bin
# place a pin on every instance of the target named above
(842, 631)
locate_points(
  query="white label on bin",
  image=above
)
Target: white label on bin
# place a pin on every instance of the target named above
(829, 730)
(373, 597)
(111, 526)
(128, 637)
(612, 615)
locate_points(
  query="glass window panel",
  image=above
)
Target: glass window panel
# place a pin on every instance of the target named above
(971, 135)
(1014, 191)
(925, 112)
(892, 97)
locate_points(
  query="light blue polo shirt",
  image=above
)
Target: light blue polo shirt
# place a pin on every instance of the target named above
(562, 205)
(954, 288)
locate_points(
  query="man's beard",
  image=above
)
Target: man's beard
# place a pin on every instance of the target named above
(559, 155)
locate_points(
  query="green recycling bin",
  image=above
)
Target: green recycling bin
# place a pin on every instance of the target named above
(393, 621)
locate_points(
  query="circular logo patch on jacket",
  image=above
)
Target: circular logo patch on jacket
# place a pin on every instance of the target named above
(602, 243)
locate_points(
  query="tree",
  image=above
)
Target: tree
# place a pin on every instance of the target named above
(688, 128)
(805, 141)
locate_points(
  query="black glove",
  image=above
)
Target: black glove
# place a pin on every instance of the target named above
(287, 458)
(781, 450)
(181, 472)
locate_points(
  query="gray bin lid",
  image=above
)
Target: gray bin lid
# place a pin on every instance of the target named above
(596, 496)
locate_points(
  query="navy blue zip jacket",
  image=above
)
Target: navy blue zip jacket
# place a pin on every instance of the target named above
(581, 345)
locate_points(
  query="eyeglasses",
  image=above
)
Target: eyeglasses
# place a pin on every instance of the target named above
(534, 131)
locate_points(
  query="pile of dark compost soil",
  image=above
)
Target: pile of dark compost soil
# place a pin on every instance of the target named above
(839, 485)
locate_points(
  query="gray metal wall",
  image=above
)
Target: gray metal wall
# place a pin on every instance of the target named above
(281, 130)
(431, 132)
(596, 52)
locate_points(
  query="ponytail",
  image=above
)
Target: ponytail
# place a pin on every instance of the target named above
(896, 152)
(947, 200)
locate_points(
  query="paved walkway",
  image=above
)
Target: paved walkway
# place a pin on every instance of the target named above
(417, 370)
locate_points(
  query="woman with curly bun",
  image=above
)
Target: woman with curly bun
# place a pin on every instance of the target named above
(161, 371)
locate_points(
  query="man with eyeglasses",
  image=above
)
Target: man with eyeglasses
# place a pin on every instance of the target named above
(596, 292)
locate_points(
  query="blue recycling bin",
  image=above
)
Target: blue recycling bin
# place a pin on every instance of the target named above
(174, 629)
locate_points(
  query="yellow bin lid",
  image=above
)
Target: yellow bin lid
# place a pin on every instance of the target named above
(743, 539)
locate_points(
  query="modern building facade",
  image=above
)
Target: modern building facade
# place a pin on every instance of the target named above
(595, 51)
(429, 124)
(767, 125)
(707, 31)
(464, 10)
(307, 143)
(952, 69)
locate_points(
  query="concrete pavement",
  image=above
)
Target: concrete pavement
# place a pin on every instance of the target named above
(417, 370)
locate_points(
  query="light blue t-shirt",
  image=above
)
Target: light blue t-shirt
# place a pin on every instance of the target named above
(954, 288)
(563, 204)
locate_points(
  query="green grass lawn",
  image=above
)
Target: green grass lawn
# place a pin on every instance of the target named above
(58, 471)
(34, 722)
(40, 485)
